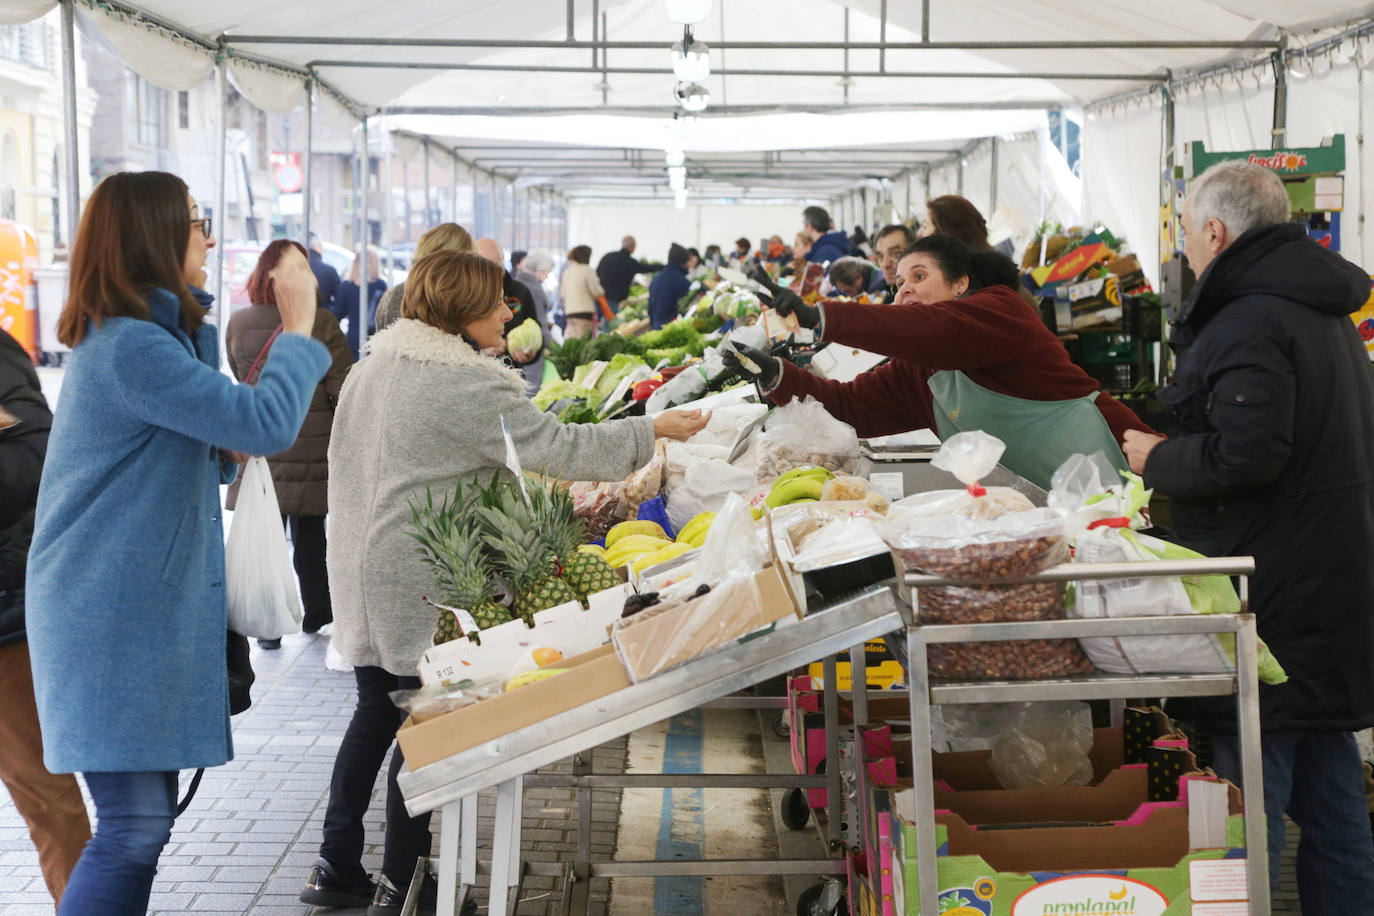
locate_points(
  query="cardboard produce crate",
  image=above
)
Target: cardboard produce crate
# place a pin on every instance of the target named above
(591, 677)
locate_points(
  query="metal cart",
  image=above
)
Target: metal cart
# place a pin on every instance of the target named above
(451, 785)
(1243, 682)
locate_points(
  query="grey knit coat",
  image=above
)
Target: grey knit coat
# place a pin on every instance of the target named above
(424, 409)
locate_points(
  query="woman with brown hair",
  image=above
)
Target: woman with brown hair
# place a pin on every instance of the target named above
(125, 588)
(956, 217)
(346, 301)
(443, 237)
(581, 289)
(301, 473)
(426, 408)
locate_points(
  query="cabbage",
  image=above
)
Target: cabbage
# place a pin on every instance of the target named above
(527, 336)
(557, 390)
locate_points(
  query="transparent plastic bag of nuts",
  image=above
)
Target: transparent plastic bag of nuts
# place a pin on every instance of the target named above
(802, 433)
(991, 603)
(1018, 660)
(975, 534)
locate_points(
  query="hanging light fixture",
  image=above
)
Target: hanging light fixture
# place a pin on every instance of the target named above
(687, 12)
(685, 125)
(691, 60)
(1344, 53)
(674, 158)
(680, 199)
(1299, 68)
(677, 179)
(692, 96)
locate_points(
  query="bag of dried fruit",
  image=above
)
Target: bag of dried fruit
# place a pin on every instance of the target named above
(1105, 513)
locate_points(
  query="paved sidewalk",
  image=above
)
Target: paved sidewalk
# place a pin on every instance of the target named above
(250, 836)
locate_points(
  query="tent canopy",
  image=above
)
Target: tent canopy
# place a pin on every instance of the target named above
(592, 79)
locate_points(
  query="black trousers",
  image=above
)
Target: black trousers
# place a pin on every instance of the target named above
(308, 541)
(364, 747)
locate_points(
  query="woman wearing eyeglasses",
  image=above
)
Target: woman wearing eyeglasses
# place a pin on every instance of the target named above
(125, 588)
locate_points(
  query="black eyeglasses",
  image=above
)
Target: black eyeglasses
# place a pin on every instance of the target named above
(204, 224)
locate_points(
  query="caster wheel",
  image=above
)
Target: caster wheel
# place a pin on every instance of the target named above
(826, 899)
(781, 727)
(469, 907)
(796, 813)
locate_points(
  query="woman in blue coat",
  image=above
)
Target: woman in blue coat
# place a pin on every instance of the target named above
(126, 600)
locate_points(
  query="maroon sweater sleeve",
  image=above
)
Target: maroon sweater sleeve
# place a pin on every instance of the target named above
(993, 336)
(893, 398)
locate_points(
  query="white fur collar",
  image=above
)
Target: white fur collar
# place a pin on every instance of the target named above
(412, 339)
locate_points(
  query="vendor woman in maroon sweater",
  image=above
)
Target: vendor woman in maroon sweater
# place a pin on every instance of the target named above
(966, 352)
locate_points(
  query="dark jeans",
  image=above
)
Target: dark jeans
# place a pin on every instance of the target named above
(1316, 778)
(308, 548)
(364, 747)
(134, 814)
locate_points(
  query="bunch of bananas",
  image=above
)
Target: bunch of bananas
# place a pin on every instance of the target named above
(799, 485)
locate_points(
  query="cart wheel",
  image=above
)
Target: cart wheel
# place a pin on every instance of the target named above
(469, 907)
(827, 899)
(781, 726)
(796, 813)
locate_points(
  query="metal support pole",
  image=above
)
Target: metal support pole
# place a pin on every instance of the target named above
(918, 679)
(429, 219)
(453, 214)
(1279, 134)
(388, 213)
(832, 752)
(596, 31)
(476, 216)
(925, 21)
(959, 176)
(221, 184)
(365, 176)
(605, 76)
(882, 37)
(73, 162)
(906, 214)
(528, 223)
(992, 167)
(845, 79)
(1252, 764)
(308, 188)
(571, 36)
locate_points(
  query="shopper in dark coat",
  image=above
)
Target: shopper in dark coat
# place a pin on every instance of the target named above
(301, 473)
(668, 287)
(617, 269)
(346, 301)
(1272, 455)
(51, 805)
(326, 277)
(827, 243)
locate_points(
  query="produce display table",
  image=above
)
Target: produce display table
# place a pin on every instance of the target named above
(1242, 682)
(452, 784)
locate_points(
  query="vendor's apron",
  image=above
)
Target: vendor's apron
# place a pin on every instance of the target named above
(1039, 435)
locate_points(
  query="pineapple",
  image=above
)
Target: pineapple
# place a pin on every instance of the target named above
(452, 545)
(525, 554)
(584, 571)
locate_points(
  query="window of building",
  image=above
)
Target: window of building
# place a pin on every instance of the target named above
(26, 44)
(184, 109)
(146, 104)
(9, 177)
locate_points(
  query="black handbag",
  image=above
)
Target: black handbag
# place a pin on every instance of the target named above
(241, 679)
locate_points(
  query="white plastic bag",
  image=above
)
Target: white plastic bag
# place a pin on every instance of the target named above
(802, 433)
(1046, 748)
(688, 385)
(705, 488)
(261, 585)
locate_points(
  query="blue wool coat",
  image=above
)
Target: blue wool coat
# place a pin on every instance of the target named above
(126, 598)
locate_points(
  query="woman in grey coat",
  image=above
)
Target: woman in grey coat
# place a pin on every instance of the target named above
(426, 408)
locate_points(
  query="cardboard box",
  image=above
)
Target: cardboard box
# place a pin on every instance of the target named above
(883, 670)
(1050, 869)
(592, 676)
(1130, 274)
(658, 639)
(567, 628)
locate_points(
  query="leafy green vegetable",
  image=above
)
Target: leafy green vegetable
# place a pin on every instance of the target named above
(557, 390)
(580, 412)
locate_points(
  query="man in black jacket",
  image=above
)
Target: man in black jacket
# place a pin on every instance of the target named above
(326, 277)
(616, 270)
(1272, 455)
(50, 804)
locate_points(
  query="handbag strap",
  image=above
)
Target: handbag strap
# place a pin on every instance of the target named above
(261, 353)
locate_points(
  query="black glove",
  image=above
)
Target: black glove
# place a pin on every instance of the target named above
(753, 364)
(785, 302)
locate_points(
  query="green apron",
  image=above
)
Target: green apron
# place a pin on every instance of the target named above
(1039, 435)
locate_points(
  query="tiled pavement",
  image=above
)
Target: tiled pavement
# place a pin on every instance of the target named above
(251, 835)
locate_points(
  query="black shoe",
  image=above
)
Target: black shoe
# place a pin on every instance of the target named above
(269, 644)
(388, 901)
(327, 887)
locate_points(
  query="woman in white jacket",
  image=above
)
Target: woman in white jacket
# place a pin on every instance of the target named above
(581, 290)
(424, 409)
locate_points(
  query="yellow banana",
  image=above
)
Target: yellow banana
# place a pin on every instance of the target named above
(786, 492)
(819, 473)
(634, 545)
(699, 523)
(626, 529)
(531, 677)
(660, 556)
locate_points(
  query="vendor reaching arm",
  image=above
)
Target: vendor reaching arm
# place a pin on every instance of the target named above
(967, 353)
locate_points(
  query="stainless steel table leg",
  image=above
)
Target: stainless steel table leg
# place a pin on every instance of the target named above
(580, 892)
(832, 753)
(467, 842)
(502, 866)
(1252, 764)
(922, 771)
(449, 822)
(858, 683)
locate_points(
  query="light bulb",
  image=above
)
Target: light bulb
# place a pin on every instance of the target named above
(692, 96)
(687, 12)
(1298, 68)
(691, 64)
(674, 158)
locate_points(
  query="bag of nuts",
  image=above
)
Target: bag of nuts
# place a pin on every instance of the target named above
(977, 534)
(802, 433)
